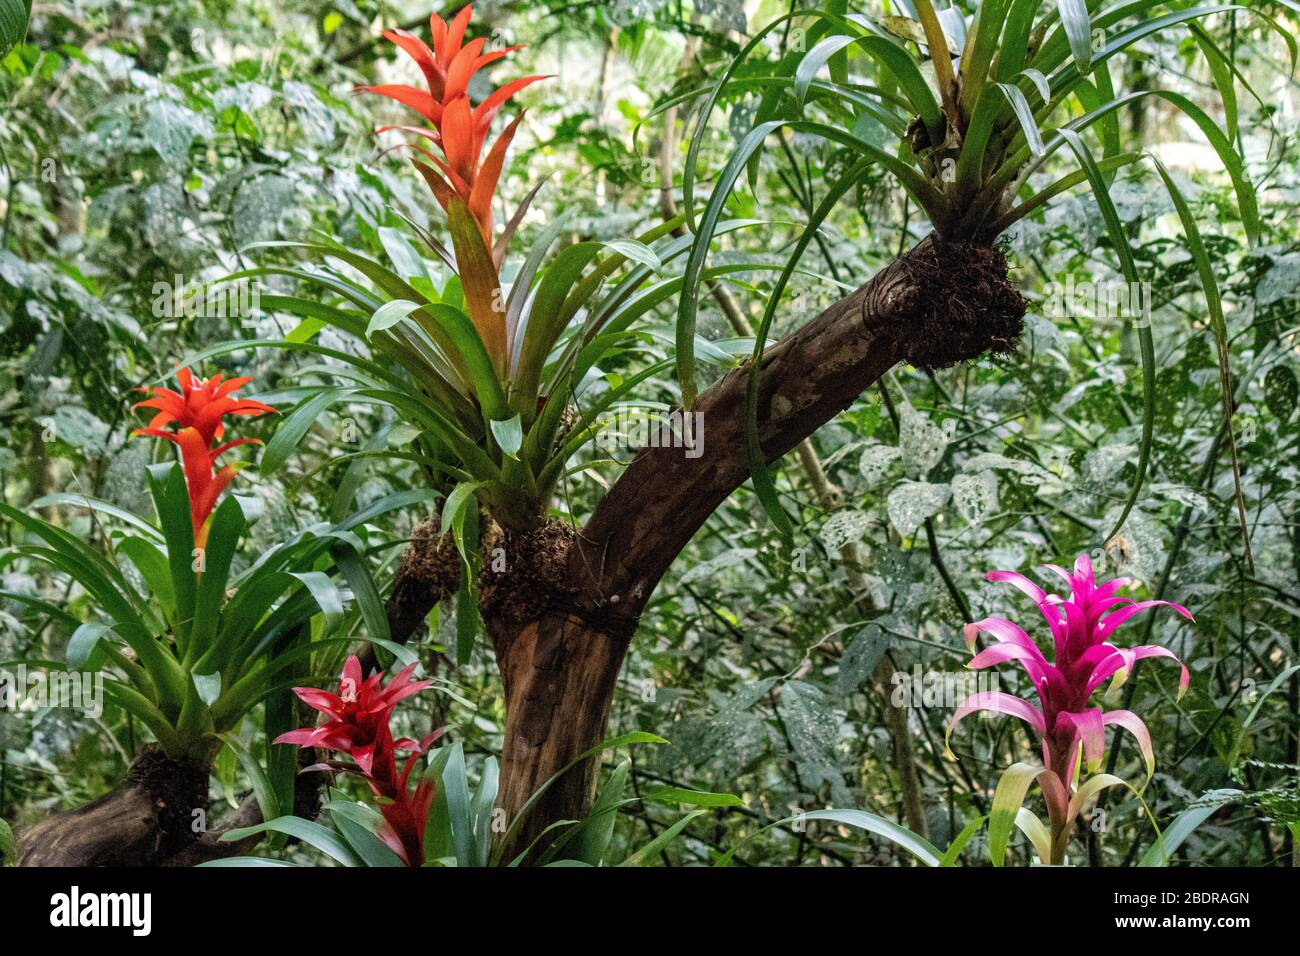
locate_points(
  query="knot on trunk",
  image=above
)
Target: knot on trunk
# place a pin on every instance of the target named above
(429, 573)
(525, 574)
(956, 303)
(176, 789)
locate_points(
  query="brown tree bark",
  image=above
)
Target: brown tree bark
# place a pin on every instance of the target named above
(559, 674)
(145, 820)
(157, 816)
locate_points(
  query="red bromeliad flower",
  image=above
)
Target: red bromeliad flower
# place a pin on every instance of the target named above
(459, 129)
(197, 409)
(1081, 628)
(359, 727)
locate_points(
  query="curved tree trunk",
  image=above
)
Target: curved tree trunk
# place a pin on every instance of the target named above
(157, 816)
(560, 667)
(149, 817)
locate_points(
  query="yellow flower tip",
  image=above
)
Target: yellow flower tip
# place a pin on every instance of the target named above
(1112, 692)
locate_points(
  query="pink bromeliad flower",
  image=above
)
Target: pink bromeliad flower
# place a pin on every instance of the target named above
(1072, 731)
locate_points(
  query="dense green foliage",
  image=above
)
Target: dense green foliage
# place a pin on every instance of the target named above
(145, 146)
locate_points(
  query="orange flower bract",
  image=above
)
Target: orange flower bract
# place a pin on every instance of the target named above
(459, 130)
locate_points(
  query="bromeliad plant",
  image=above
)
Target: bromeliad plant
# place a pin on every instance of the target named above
(1071, 730)
(359, 716)
(191, 646)
(438, 821)
(359, 726)
(965, 112)
(487, 370)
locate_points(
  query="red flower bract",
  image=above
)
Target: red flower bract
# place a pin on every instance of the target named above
(359, 726)
(198, 409)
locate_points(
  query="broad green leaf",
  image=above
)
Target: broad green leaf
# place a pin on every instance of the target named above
(509, 435)
(13, 23)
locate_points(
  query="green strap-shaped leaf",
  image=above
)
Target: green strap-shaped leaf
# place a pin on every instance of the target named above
(1186, 822)
(915, 844)
(760, 474)
(228, 525)
(892, 58)
(83, 641)
(1078, 30)
(1025, 116)
(483, 808)
(587, 842)
(313, 834)
(711, 100)
(1214, 306)
(294, 427)
(661, 841)
(325, 594)
(953, 853)
(100, 507)
(1089, 790)
(466, 535)
(1027, 822)
(543, 323)
(455, 784)
(1128, 268)
(153, 567)
(263, 792)
(693, 798)
(509, 435)
(364, 593)
(612, 743)
(1007, 799)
